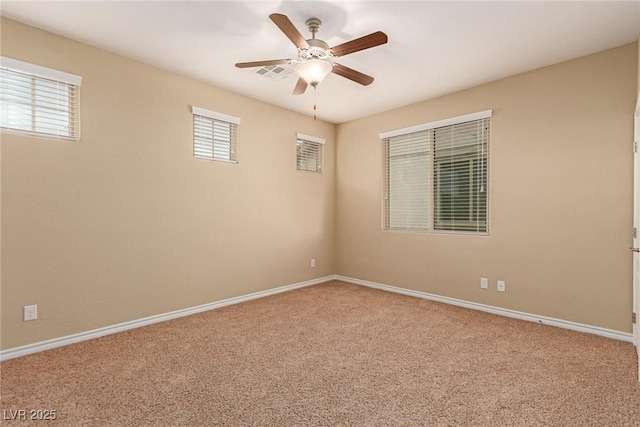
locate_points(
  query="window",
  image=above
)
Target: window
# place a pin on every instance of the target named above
(309, 153)
(38, 101)
(436, 176)
(215, 135)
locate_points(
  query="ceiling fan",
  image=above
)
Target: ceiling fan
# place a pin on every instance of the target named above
(315, 57)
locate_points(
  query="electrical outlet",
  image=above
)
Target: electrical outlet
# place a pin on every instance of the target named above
(313, 263)
(30, 312)
(502, 286)
(484, 283)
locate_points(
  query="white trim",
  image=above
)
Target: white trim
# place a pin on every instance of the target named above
(25, 350)
(636, 225)
(12, 353)
(215, 115)
(39, 71)
(608, 333)
(310, 138)
(636, 124)
(437, 124)
(35, 134)
(636, 221)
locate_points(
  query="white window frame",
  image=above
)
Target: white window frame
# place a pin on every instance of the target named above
(203, 116)
(433, 169)
(57, 113)
(302, 138)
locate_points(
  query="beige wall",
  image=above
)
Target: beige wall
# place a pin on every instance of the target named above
(127, 224)
(560, 196)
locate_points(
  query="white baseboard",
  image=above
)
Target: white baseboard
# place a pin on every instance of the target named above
(108, 330)
(113, 329)
(609, 333)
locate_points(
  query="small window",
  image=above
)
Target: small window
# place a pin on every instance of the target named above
(436, 176)
(39, 101)
(215, 135)
(309, 153)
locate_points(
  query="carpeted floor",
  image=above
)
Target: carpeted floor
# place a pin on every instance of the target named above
(332, 354)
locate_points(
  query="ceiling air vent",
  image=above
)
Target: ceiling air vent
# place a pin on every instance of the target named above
(275, 72)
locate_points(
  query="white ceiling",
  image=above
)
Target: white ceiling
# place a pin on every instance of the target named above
(435, 47)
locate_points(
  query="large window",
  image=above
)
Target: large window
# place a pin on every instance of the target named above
(436, 176)
(215, 135)
(309, 153)
(38, 101)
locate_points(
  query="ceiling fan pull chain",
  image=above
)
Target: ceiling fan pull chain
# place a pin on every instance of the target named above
(314, 103)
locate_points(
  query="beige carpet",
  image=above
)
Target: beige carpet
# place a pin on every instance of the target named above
(332, 354)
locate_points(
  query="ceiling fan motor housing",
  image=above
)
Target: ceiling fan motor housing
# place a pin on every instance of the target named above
(318, 49)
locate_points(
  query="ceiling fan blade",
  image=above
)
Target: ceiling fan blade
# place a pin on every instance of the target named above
(301, 86)
(262, 63)
(366, 42)
(351, 74)
(289, 30)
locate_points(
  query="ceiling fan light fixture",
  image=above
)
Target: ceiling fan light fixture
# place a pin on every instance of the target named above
(313, 71)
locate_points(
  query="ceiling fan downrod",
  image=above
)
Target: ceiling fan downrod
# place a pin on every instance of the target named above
(313, 25)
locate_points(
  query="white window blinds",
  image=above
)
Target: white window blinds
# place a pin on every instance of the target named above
(309, 153)
(460, 176)
(39, 101)
(408, 162)
(215, 135)
(436, 176)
